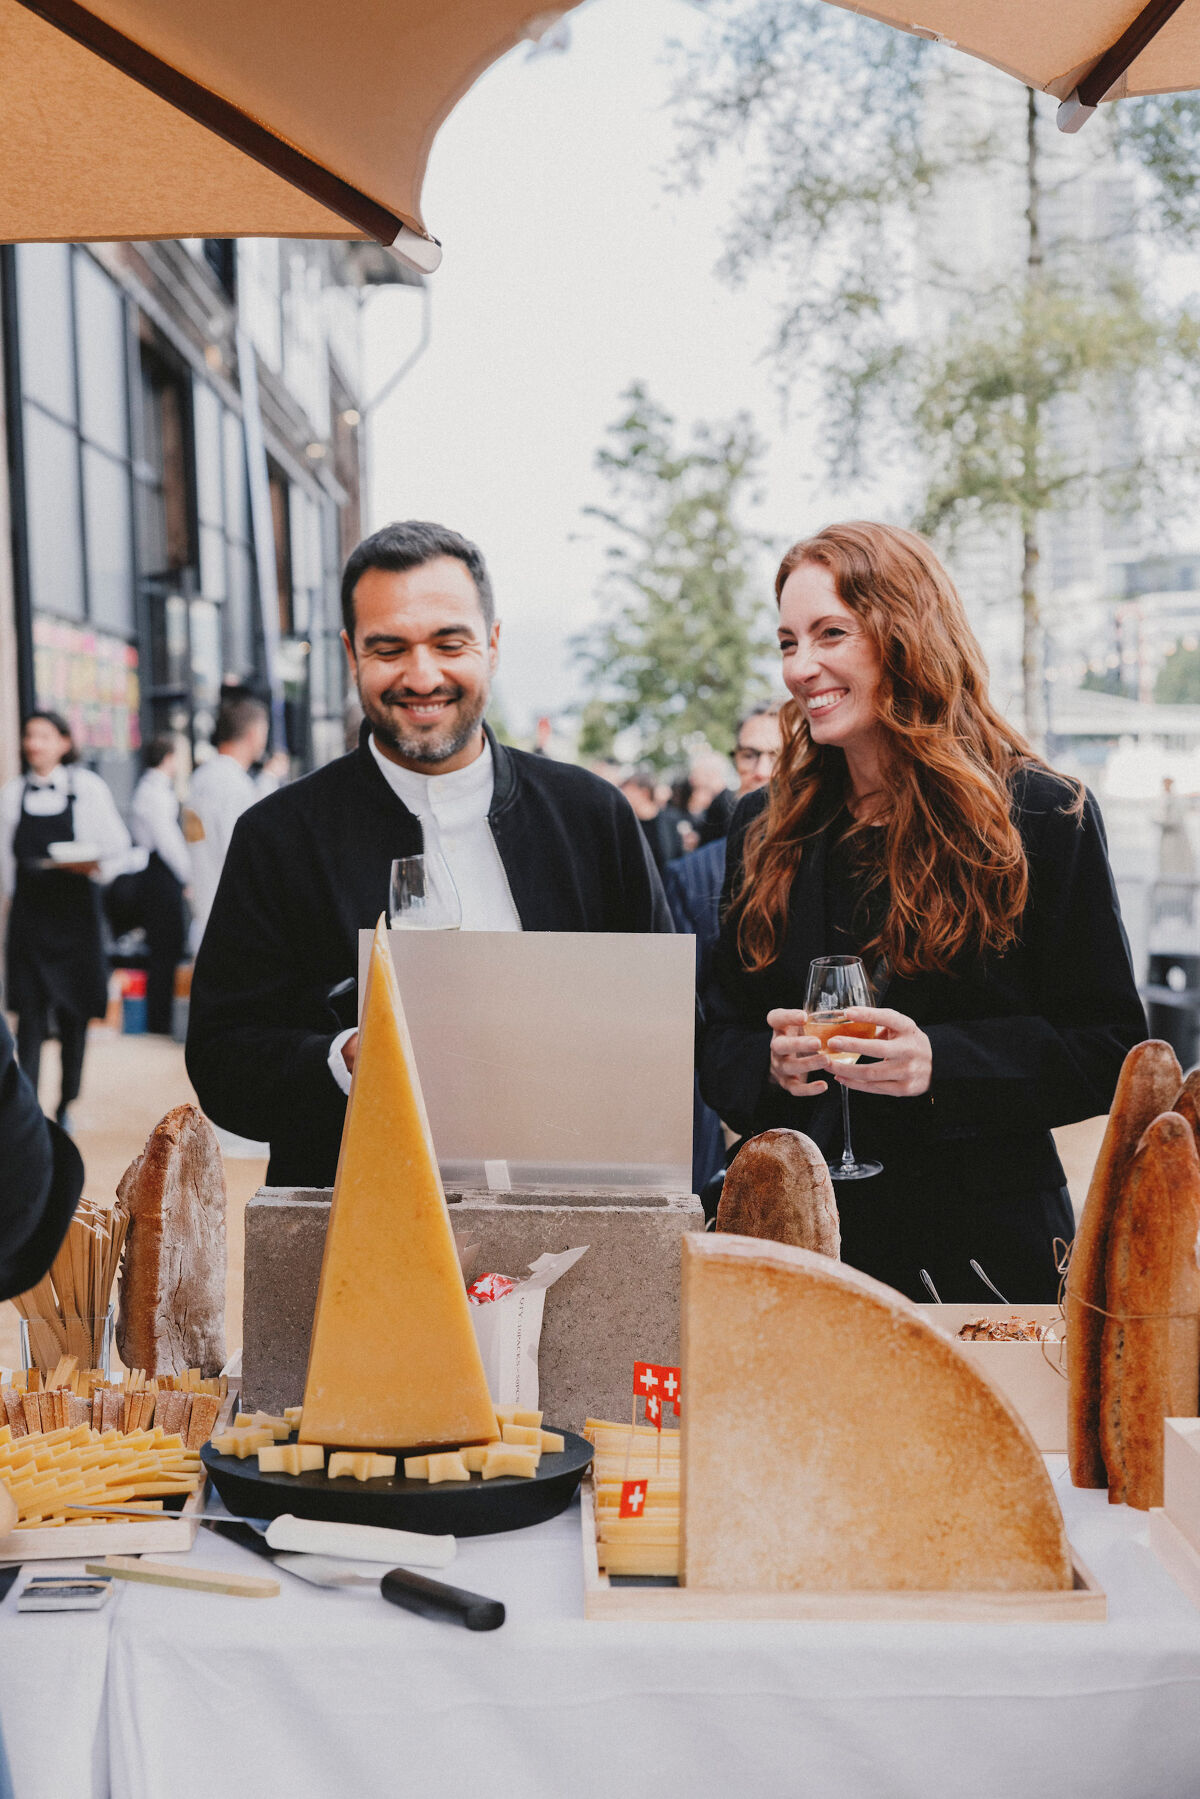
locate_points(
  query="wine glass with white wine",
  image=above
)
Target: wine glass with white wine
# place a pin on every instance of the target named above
(422, 895)
(834, 983)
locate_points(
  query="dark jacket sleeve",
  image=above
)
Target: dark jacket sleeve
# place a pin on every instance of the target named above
(41, 1182)
(255, 1053)
(1059, 1063)
(644, 902)
(735, 1046)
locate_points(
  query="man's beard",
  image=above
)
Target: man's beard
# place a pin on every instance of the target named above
(431, 747)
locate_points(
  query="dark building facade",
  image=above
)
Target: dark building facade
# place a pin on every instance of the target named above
(183, 426)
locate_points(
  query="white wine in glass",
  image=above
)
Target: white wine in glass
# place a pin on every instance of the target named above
(835, 983)
(422, 895)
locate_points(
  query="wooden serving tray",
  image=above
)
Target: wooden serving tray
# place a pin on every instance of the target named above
(1086, 1603)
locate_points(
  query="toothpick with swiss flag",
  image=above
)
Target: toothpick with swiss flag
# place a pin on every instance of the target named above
(633, 1498)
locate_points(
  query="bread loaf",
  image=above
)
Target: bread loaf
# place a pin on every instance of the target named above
(1148, 1083)
(778, 1186)
(1150, 1356)
(1187, 1103)
(172, 1287)
(834, 1441)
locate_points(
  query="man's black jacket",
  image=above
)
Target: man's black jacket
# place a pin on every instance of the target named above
(41, 1178)
(308, 868)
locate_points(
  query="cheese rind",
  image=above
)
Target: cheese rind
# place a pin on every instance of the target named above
(891, 1465)
(393, 1358)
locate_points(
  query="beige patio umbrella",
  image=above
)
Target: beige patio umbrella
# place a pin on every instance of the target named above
(236, 118)
(1081, 51)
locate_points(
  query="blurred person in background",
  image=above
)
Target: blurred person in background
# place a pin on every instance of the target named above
(222, 789)
(661, 824)
(154, 823)
(712, 802)
(693, 888)
(57, 974)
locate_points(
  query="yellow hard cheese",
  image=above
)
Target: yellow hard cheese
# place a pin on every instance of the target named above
(501, 1459)
(364, 1466)
(242, 1443)
(393, 1359)
(292, 1458)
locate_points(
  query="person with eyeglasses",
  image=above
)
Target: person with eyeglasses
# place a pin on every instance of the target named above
(693, 887)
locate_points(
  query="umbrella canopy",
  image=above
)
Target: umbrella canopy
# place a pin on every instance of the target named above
(236, 118)
(1081, 51)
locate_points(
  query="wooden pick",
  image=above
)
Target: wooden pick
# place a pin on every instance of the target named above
(196, 1580)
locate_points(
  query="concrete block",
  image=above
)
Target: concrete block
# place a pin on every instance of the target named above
(618, 1304)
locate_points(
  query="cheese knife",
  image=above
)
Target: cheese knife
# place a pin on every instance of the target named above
(414, 1592)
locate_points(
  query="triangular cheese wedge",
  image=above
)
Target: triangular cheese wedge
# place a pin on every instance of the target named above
(393, 1363)
(834, 1441)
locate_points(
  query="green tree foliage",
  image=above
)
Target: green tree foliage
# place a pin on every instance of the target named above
(1178, 680)
(856, 136)
(678, 655)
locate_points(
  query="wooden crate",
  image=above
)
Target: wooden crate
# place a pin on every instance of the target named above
(1032, 1376)
(1085, 1603)
(1175, 1527)
(166, 1531)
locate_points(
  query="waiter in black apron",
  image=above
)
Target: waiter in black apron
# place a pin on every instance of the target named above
(57, 976)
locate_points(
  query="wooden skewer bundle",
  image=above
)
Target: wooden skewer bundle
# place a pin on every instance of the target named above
(66, 1311)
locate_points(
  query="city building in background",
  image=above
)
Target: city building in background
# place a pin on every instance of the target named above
(184, 480)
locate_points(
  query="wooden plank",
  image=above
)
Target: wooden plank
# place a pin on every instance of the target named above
(196, 1580)
(1085, 1603)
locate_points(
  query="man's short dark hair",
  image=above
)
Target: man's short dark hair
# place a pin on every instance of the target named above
(771, 711)
(236, 716)
(155, 753)
(410, 545)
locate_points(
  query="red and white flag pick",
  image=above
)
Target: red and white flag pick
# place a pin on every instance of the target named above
(645, 1379)
(654, 1411)
(633, 1498)
(669, 1380)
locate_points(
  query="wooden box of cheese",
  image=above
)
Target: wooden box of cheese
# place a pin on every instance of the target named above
(173, 1531)
(1175, 1528)
(1033, 1376)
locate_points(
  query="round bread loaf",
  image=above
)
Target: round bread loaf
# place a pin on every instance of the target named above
(778, 1186)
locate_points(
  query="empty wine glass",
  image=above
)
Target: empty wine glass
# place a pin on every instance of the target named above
(835, 982)
(422, 895)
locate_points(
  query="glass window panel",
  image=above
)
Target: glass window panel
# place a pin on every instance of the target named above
(52, 504)
(239, 613)
(151, 528)
(237, 523)
(206, 410)
(44, 314)
(100, 331)
(214, 581)
(107, 523)
(206, 652)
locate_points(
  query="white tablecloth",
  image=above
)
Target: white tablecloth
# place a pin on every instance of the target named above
(326, 1694)
(52, 1702)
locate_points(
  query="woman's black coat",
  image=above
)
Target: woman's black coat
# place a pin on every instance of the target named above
(1021, 1042)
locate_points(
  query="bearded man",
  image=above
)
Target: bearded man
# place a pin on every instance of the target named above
(532, 844)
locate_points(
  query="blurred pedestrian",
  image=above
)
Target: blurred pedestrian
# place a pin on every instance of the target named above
(1176, 858)
(712, 802)
(57, 975)
(154, 822)
(661, 824)
(222, 789)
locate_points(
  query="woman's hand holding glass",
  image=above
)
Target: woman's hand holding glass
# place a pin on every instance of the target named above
(901, 1054)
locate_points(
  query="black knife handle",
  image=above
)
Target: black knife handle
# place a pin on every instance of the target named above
(434, 1599)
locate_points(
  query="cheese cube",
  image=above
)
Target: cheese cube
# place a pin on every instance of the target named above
(383, 1467)
(290, 1458)
(347, 1464)
(416, 1467)
(292, 1414)
(242, 1443)
(526, 1435)
(552, 1442)
(506, 1460)
(526, 1417)
(473, 1456)
(448, 1466)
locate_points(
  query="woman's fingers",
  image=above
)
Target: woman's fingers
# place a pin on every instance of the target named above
(786, 1018)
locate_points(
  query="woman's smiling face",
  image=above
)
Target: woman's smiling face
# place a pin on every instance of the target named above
(830, 664)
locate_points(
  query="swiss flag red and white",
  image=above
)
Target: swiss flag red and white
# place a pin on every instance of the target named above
(645, 1378)
(654, 1411)
(669, 1385)
(633, 1498)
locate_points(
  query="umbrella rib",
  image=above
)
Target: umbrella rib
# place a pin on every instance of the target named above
(1128, 47)
(221, 117)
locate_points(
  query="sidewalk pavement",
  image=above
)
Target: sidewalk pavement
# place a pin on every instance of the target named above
(129, 1083)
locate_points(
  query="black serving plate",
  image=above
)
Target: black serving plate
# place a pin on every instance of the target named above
(453, 1508)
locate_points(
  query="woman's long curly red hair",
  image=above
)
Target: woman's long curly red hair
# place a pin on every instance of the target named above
(953, 859)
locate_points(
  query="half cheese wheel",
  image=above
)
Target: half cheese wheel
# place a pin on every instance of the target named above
(834, 1441)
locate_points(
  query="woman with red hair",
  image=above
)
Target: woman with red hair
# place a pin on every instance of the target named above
(907, 823)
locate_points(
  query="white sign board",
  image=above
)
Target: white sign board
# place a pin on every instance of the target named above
(552, 1059)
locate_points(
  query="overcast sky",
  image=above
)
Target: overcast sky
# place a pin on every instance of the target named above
(570, 269)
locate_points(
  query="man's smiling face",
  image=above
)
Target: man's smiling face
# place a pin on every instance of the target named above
(423, 659)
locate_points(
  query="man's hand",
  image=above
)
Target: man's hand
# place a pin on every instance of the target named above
(794, 1056)
(349, 1051)
(905, 1065)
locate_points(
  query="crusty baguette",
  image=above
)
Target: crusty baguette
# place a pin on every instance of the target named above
(778, 1186)
(1150, 1358)
(1187, 1103)
(172, 1288)
(1148, 1083)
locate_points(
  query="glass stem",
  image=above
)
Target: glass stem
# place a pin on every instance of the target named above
(847, 1152)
